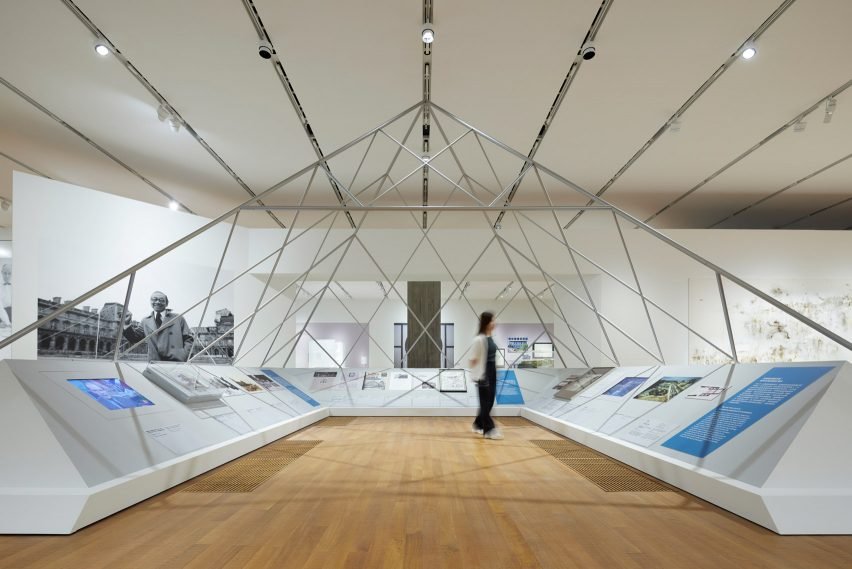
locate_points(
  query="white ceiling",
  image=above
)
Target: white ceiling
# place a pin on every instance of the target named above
(496, 64)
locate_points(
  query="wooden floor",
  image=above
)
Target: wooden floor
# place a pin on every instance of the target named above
(424, 492)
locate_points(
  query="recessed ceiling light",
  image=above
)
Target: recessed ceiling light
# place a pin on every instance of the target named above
(428, 33)
(749, 52)
(173, 205)
(101, 48)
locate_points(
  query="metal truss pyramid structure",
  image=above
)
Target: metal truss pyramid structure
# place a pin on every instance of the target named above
(433, 174)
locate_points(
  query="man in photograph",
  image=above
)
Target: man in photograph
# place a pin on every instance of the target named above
(6, 295)
(171, 344)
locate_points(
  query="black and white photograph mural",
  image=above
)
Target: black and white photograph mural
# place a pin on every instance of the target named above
(5, 297)
(160, 335)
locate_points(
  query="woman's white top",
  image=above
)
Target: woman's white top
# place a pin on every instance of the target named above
(479, 352)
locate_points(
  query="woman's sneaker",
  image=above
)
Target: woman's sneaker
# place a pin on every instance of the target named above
(476, 430)
(494, 434)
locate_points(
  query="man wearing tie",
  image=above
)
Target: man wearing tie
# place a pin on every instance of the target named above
(171, 344)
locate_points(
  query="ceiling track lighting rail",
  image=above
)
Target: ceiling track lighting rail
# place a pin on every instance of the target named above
(23, 165)
(781, 191)
(428, 37)
(264, 39)
(161, 100)
(830, 107)
(797, 120)
(91, 142)
(587, 48)
(506, 290)
(728, 63)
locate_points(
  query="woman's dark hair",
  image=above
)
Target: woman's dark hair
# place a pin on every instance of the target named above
(485, 319)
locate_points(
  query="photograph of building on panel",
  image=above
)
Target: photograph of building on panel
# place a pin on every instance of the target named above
(452, 380)
(246, 385)
(111, 392)
(226, 385)
(666, 388)
(265, 382)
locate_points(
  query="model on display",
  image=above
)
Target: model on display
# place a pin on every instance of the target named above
(578, 382)
(184, 382)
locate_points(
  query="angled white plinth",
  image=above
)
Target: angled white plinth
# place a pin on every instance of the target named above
(790, 471)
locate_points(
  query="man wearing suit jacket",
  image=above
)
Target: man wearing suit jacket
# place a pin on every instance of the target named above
(171, 344)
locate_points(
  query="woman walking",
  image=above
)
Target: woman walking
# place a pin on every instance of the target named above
(483, 364)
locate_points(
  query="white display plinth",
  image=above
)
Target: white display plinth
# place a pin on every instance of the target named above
(777, 462)
(775, 451)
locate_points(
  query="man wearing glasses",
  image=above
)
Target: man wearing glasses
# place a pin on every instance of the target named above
(171, 344)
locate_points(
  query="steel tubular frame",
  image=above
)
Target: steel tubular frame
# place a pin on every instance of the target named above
(595, 202)
(638, 287)
(662, 237)
(295, 296)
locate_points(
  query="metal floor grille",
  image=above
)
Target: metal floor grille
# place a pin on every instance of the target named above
(602, 471)
(513, 422)
(336, 421)
(247, 473)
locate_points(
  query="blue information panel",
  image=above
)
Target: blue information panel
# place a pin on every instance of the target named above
(508, 390)
(291, 388)
(744, 409)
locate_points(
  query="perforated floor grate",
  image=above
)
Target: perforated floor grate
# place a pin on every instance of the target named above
(336, 421)
(247, 473)
(606, 473)
(513, 422)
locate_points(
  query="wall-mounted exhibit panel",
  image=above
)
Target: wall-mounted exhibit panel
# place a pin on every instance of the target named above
(760, 440)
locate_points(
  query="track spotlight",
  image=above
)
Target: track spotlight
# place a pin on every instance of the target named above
(799, 126)
(165, 114)
(749, 51)
(5, 204)
(173, 205)
(427, 32)
(101, 47)
(506, 289)
(674, 126)
(830, 105)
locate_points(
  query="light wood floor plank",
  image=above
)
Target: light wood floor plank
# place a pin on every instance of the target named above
(424, 493)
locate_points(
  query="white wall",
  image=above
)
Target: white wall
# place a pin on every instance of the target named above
(68, 239)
